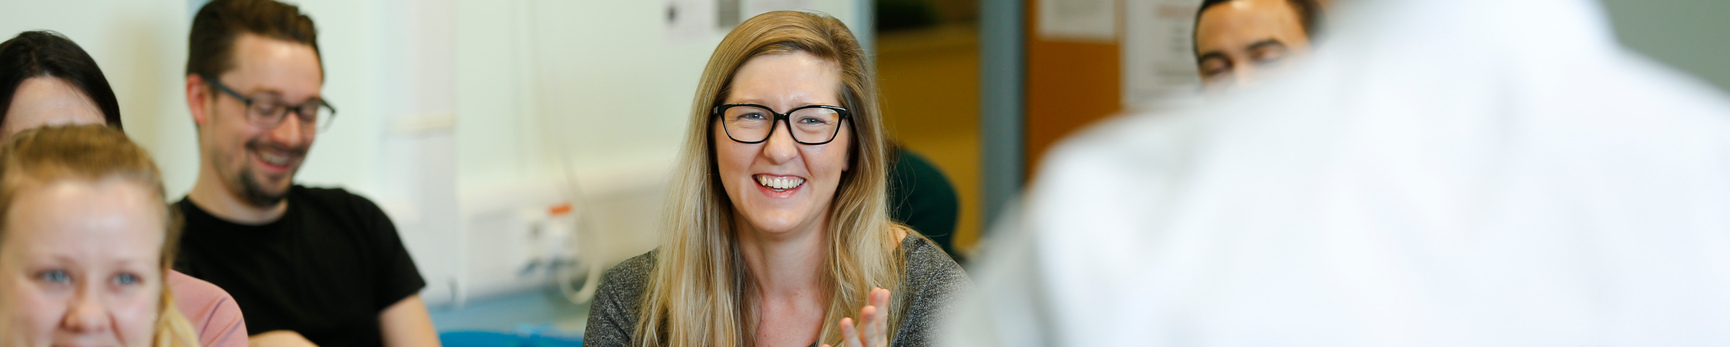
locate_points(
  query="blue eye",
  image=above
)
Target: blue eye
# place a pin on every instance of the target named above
(54, 276)
(126, 279)
(812, 120)
(751, 116)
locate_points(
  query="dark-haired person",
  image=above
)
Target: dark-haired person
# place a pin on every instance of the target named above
(46, 80)
(921, 197)
(1236, 41)
(308, 265)
(55, 82)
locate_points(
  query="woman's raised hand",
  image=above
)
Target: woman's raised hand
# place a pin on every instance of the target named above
(874, 331)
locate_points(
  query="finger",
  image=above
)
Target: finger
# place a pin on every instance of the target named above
(866, 318)
(881, 301)
(871, 333)
(849, 335)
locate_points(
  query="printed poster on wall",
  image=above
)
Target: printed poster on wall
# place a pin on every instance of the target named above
(1078, 20)
(756, 7)
(1158, 58)
(690, 20)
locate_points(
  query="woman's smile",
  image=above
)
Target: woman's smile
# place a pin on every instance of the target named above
(777, 186)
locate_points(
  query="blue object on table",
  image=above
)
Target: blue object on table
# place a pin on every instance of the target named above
(534, 318)
(494, 339)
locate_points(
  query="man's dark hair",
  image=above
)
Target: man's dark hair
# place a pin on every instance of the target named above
(1308, 12)
(47, 54)
(210, 50)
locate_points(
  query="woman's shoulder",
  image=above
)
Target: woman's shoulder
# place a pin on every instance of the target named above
(613, 313)
(212, 311)
(931, 283)
(630, 275)
(928, 267)
(622, 285)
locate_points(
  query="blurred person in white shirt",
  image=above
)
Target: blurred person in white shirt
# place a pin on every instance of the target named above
(1446, 172)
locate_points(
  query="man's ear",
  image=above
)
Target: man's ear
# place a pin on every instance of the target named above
(197, 99)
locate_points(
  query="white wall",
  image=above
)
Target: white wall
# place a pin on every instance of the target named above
(598, 80)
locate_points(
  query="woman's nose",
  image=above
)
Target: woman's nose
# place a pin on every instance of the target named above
(780, 146)
(87, 314)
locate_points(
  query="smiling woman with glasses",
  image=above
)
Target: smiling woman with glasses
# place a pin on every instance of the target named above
(777, 229)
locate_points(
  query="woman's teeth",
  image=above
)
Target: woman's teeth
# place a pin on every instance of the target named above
(780, 183)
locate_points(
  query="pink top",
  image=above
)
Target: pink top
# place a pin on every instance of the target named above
(210, 310)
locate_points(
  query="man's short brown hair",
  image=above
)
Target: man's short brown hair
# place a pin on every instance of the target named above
(221, 22)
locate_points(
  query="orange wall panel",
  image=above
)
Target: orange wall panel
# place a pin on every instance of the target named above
(1069, 85)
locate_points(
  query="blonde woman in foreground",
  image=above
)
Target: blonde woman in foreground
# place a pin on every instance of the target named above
(85, 243)
(777, 231)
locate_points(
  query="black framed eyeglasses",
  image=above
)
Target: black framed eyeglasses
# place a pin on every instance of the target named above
(752, 123)
(269, 113)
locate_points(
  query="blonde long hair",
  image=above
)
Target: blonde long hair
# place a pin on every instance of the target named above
(699, 293)
(93, 153)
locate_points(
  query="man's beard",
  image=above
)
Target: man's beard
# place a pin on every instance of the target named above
(255, 193)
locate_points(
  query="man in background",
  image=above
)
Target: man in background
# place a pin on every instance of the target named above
(308, 266)
(1238, 41)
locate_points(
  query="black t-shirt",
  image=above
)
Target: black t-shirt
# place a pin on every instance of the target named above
(326, 269)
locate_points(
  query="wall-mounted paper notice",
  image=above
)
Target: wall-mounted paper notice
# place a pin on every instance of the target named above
(727, 15)
(756, 7)
(1078, 20)
(690, 20)
(1158, 58)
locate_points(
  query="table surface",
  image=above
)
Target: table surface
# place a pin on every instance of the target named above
(542, 311)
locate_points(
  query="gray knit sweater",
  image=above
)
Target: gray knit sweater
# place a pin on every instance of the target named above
(931, 277)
